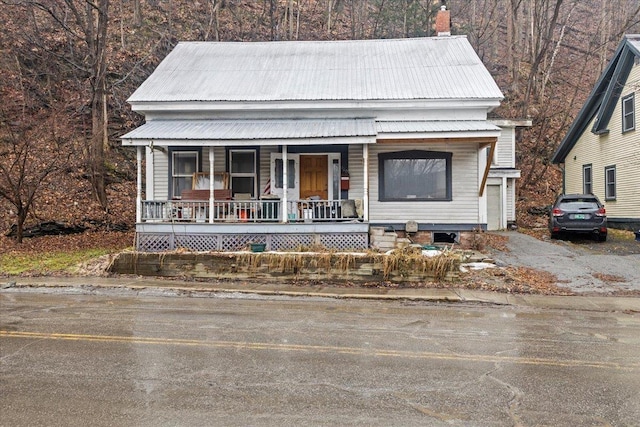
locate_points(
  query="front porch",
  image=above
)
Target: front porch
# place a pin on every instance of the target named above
(159, 236)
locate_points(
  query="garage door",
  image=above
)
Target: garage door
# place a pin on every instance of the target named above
(494, 207)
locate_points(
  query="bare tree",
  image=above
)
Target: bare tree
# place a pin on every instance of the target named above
(29, 156)
(84, 25)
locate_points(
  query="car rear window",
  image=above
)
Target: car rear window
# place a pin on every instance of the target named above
(578, 204)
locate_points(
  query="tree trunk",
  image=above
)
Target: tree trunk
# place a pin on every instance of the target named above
(137, 13)
(97, 24)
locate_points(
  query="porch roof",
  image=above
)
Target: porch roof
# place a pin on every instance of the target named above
(436, 128)
(254, 132)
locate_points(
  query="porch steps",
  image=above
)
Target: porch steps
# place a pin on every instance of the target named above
(386, 240)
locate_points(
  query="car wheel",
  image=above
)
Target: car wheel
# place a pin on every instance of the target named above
(555, 236)
(602, 237)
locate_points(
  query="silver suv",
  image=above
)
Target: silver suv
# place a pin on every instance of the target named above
(578, 213)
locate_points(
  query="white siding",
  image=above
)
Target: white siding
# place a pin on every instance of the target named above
(612, 149)
(160, 175)
(356, 172)
(505, 149)
(464, 208)
(265, 166)
(511, 199)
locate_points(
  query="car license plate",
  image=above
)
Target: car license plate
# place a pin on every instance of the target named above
(580, 216)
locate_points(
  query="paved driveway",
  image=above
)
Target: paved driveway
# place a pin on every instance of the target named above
(577, 267)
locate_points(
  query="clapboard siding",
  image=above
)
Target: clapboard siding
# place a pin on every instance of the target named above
(265, 166)
(612, 149)
(160, 175)
(356, 172)
(464, 208)
(505, 157)
(511, 199)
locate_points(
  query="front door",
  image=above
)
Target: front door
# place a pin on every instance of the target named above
(314, 176)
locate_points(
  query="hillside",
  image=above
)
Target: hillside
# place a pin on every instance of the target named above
(68, 69)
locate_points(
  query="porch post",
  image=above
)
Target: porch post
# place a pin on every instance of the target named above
(139, 184)
(211, 184)
(285, 182)
(365, 189)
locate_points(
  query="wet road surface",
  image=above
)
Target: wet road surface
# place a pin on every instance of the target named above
(153, 361)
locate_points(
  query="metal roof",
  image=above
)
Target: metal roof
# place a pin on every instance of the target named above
(251, 131)
(432, 126)
(295, 131)
(399, 69)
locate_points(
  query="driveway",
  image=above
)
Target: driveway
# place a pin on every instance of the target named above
(578, 266)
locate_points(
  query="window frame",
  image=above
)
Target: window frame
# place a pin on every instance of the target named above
(626, 112)
(607, 183)
(588, 190)
(411, 155)
(173, 176)
(253, 175)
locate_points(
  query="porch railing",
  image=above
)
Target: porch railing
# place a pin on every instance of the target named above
(240, 211)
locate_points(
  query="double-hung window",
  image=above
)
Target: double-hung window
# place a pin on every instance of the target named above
(587, 180)
(415, 176)
(183, 165)
(628, 113)
(610, 182)
(243, 172)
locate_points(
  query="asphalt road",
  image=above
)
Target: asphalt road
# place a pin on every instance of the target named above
(576, 266)
(151, 361)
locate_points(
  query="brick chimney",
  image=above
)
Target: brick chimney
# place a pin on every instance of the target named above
(443, 22)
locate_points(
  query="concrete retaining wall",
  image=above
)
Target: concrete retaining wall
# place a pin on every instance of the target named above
(360, 268)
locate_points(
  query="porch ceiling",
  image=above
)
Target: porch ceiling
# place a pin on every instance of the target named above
(254, 132)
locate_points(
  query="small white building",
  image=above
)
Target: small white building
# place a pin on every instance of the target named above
(501, 184)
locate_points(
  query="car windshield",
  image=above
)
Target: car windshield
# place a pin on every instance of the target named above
(578, 204)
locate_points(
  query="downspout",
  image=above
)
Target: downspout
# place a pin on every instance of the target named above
(503, 204)
(564, 180)
(139, 185)
(285, 182)
(211, 185)
(365, 185)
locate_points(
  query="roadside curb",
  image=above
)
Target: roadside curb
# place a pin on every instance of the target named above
(629, 305)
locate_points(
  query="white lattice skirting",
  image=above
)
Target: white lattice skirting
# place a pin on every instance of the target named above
(160, 242)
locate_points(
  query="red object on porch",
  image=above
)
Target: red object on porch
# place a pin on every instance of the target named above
(344, 183)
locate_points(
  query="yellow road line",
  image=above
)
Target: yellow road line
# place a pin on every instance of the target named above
(323, 349)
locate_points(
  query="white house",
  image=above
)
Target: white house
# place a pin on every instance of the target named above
(601, 152)
(312, 142)
(501, 184)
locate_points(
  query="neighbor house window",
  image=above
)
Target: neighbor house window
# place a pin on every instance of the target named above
(628, 113)
(243, 171)
(610, 182)
(587, 180)
(183, 165)
(415, 175)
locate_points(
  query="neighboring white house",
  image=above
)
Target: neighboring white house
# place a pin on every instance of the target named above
(312, 142)
(501, 184)
(601, 151)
